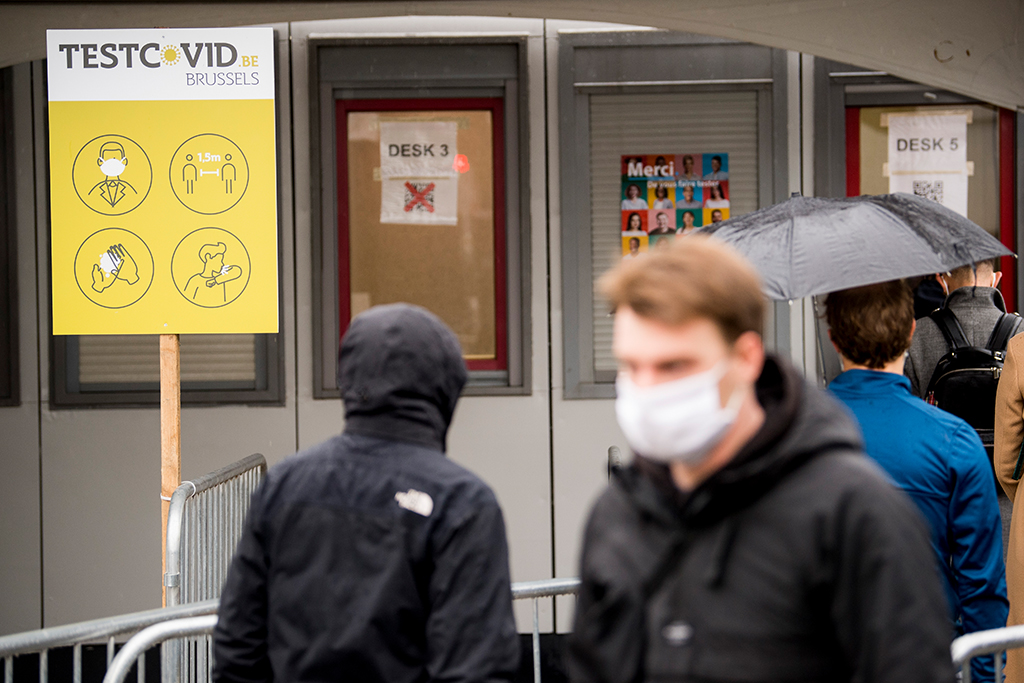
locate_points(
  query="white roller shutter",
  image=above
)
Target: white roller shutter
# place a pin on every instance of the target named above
(671, 123)
(132, 359)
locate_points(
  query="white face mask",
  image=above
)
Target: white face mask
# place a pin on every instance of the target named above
(677, 421)
(113, 166)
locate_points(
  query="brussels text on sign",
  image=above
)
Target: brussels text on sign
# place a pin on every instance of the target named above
(163, 181)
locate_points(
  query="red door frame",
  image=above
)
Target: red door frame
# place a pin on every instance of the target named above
(495, 106)
(1008, 203)
(1007, 189)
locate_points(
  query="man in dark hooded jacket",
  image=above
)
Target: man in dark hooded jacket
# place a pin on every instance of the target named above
(372, 557)
(751, 540)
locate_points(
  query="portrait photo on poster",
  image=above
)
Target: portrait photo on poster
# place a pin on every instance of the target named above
(634, 245)
(661, 194)
(688, 219)
(716, 194)
(634, 221)
(716, 167)
(661, 222)
(715, 215)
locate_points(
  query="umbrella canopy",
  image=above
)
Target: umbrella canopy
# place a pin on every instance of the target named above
(808, 245)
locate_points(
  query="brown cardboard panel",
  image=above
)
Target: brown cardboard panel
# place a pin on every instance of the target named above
(446, 269)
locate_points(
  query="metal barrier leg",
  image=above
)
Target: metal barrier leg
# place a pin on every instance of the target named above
(44, 666)
(76, 663)
(110, 651)
(8, 669)
(997, 665)
(536, 641)
(965, 672)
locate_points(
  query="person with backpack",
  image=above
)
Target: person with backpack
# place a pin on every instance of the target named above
(977, 307)
(933, 456)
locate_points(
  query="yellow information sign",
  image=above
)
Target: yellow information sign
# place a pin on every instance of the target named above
(163, 186)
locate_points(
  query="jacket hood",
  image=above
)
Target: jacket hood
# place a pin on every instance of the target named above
(801, 422)
(400, 371)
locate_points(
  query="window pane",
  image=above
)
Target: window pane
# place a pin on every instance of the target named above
(400, 248)
(982, 149)
(669, 124)
(133, 359)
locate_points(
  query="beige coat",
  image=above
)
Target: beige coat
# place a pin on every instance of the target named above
(1009, 435)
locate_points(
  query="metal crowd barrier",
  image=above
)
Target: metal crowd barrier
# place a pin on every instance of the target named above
(191, 621)
(194, 627)
(993, 642)
(86, 632)
(204, 525)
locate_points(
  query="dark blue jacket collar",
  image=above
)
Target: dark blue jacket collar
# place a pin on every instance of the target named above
(870, 382)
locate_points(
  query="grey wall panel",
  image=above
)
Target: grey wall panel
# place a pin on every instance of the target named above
(20, 557)
(434, 62)
(101, 513)
(583, 431)
(505, 441)
(666, 62)
(101, 497)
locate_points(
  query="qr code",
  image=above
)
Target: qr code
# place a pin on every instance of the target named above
(419, 197)
(929, 189)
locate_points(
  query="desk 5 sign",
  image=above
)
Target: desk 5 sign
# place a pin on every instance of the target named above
(163, 181)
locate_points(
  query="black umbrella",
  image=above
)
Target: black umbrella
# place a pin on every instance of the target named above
(808, 245)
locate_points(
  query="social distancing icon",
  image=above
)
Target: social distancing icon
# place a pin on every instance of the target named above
(210, 267)
(112, 175)
(114, 268)
(209, 173)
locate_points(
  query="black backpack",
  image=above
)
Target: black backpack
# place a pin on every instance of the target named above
(965, 379)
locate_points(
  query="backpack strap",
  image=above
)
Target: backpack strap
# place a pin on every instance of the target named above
(1002, 333)
(951, 328)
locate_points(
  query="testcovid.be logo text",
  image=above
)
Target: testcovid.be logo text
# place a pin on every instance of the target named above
(153, 55)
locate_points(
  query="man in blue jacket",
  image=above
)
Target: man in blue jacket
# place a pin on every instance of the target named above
(935, 457)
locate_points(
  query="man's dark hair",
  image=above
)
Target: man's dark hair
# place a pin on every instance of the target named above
(871, 325)
(717, 158)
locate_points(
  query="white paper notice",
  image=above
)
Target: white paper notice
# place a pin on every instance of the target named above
(421, 201)
(928, 157)
(417, 149)
(948, 189)
(928, 142)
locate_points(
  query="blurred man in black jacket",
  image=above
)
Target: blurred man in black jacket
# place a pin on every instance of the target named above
(751, 540)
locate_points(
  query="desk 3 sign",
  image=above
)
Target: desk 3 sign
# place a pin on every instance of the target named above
(163, 181)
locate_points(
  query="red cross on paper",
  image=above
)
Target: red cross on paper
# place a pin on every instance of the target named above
(419, 197)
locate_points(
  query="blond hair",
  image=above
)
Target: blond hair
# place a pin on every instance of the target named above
(698, 277)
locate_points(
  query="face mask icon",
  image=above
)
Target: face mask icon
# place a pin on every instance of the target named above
(113, 166)
(111, 190)
(105, 180)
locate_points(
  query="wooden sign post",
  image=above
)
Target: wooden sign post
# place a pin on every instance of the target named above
(163, 194)
(170, 433)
